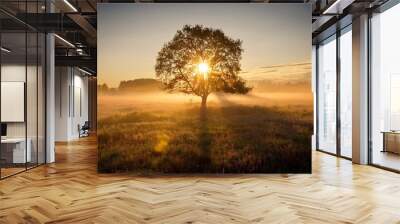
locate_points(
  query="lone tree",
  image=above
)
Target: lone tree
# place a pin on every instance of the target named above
(201, 60)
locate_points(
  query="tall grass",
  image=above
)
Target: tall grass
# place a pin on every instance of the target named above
(231, 139)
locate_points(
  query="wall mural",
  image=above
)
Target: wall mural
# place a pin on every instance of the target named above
(204, 88)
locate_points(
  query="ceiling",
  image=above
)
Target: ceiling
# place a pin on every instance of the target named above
(75, 21)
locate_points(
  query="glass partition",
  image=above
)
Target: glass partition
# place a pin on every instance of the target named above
(327, 95)
(22, 88)
(13, 114)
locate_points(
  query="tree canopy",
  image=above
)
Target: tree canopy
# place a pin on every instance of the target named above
(178, 63)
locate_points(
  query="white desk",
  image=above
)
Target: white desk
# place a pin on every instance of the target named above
(18, 144)
(391, 141)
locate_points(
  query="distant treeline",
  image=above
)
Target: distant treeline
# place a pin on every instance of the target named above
(280, 86)
(153, 85)
(136, 85)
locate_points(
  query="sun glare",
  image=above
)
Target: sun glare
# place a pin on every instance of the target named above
(203, 68)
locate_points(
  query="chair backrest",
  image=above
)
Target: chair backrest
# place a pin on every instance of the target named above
(86, 124)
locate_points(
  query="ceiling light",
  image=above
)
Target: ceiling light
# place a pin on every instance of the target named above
(5, 50)
(338, 6)
(70, 5)
(326, 11)
(84, 71)
(65, 41)
(79, 51)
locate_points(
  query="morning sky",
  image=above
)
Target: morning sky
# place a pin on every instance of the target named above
(130, 35)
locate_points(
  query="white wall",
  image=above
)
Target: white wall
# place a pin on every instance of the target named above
(62, 82)
(80, 109)
(33, 127)
(16, 73)
(71, 102)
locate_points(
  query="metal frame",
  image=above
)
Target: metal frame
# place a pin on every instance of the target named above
(316, 97)
(0, 91)
(26, 90)
(369, 90)
(338, 98)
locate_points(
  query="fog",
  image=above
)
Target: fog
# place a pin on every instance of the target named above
(161, 101)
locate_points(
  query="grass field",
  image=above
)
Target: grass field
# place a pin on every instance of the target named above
(237, 134)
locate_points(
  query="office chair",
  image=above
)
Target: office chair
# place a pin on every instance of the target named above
(84, 130)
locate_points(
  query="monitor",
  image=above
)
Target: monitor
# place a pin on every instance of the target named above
(3, 129)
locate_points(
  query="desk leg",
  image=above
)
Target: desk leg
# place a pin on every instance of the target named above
(384, 142)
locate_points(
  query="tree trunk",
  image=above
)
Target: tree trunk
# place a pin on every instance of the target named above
(203, 109)
(204, 102)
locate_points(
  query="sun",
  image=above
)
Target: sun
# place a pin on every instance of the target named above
(203, 68)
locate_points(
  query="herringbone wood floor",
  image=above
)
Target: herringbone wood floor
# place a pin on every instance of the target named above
(71, 191)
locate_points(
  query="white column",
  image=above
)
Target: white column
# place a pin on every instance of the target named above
(360, 90)
(50, 99)
(50, 92)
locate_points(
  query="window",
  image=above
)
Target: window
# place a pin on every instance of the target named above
(334, 96)
(327, 95)
(385, 89)
(346, 92)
